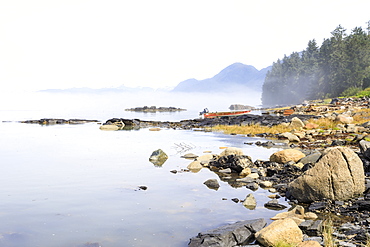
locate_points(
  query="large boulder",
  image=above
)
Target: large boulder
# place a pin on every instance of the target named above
(238, 233)
(285, 230)
(286, 155)
(338, 175)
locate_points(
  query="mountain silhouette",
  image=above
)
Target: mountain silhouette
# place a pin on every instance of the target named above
(234, 77)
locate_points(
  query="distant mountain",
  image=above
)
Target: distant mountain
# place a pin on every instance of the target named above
(233, 77)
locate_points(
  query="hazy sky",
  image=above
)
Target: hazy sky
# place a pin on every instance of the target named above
(156, 43)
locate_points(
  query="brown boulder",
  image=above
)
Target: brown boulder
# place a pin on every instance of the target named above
(285, 230)
(287, 155)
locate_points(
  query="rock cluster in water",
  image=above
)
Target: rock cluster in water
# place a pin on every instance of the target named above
(155, 109)
(52, 121)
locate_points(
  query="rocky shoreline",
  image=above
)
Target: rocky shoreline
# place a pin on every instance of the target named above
(342, 154)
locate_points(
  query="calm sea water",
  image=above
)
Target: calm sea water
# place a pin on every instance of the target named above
(69, 185)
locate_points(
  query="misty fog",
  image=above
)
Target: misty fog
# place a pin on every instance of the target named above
(36, 105)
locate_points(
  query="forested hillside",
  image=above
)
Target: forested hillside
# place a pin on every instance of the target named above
(340, 66)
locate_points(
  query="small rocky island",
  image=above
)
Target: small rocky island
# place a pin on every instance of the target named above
(155, 109)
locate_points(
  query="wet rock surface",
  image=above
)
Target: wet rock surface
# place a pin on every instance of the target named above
(264, 120)
(239, 233)
(351, 213)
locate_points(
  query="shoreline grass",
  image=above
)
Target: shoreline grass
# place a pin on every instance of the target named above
(251, 129)
(360, 116)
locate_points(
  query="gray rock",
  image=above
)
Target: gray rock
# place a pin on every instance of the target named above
(317, 239)
(238, 233)
(348, 226)
(311, 158)
(305, 225)
(274, 205)
(365, 148)
(212, 184)
(315, 228)
(252, 186)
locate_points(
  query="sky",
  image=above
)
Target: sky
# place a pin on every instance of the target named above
(48, 44)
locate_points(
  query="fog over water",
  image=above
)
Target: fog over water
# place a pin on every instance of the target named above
(102, 106)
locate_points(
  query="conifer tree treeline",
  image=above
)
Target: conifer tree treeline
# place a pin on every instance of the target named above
(341, 64)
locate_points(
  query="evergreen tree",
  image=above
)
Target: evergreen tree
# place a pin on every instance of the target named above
(341, 62)
(309, 70)
(358, 53)
(338, 63)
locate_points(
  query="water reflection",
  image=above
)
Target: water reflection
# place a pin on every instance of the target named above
(67, 185)
(158, 157)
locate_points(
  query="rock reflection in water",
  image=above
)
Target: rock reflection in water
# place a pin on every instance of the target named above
(158, 157)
